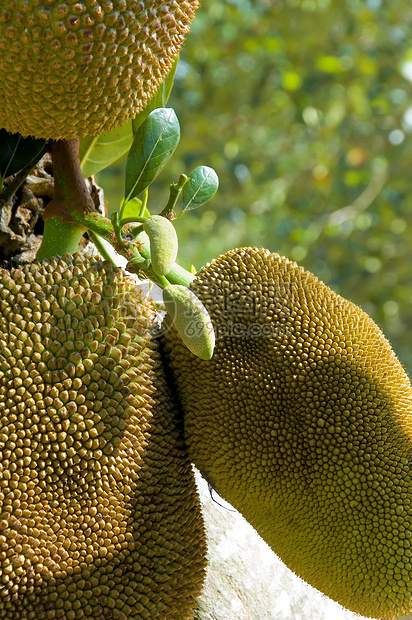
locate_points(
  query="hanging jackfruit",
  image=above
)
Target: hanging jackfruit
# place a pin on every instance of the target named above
(99, 516)
(303, 421)
(73, 68)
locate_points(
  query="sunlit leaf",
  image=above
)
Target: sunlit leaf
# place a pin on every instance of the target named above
(132, 208)
(17, 152)
(201, 186)
(154, 143)
(99, 152)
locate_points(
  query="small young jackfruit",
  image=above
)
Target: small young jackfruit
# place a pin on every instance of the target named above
(74, 68)
(303, 421)
(163, 243)
(99, 511)
(191, 320)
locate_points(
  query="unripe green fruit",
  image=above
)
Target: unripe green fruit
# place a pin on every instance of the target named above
(191, 320)
(163, 243)
(73, 69)
(303, 422)
(99, 512)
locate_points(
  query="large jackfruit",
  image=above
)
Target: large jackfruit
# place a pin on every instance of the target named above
(99, 516)
(303, 421)
(73, 68)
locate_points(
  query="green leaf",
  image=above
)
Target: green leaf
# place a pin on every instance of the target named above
(99, 152)
(153, 145)
(17, 152)
(159, 100)
(130, 209)
(201, 186)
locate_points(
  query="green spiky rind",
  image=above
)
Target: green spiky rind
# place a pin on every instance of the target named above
(163, 243)
(72, 69)
(99, 512)
(303, 421)
(191, 320)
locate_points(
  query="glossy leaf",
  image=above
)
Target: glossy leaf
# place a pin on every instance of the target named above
(99, 152)
(154, 143)
(201, 186)
(17, 152)
(132, 208)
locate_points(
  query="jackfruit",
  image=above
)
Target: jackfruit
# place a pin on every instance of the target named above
(163, 243)
(81, 67)
(99, 515)
(302, 420)
(191, 320)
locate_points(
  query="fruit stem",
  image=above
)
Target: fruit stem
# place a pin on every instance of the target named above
(71, 196)
(59, 237)
(72, 212)
(175, 191)
(101, 247)
(177, 275)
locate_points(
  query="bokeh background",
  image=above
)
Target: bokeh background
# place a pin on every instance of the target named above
(304, 109)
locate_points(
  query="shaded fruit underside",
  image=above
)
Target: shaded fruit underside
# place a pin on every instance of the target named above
(80, 68)
(99, 517)
(303, 421)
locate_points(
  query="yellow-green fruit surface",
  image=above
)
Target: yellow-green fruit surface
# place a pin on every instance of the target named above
(81, 67)
(99, 516)
(303, 421)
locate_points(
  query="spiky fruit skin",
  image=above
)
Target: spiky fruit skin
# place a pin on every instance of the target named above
(73, 68)
(303, 421)
(99, 512)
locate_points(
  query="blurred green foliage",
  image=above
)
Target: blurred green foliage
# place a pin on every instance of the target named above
(304, 109)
